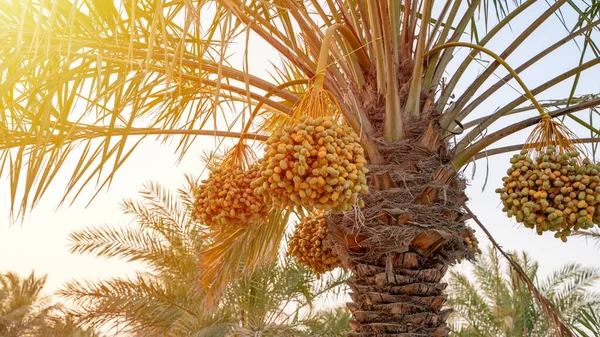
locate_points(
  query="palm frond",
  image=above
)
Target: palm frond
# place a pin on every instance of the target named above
(588, 322)
(231, 254)
(24, 311)
(592, 234)
(142, 69)
(143, 301)
(471, 308)
(481, 312)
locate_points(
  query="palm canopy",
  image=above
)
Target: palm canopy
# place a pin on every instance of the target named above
(91, 79)
(495, 302)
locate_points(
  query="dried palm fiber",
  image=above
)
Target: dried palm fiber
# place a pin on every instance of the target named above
(227, 199)
(397, 249)
(390, 219)
(310, 246)
(315, 164)
(555, 192)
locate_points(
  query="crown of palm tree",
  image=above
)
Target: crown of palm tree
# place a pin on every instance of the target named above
(101, 76)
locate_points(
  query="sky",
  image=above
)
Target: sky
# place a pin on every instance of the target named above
(40, 242)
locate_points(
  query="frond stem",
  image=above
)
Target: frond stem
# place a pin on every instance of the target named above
(517, 147)
(462, 157)
(455, 110)
(411, 110)
(90, 132)
(483, 96)
(498, 59)
(377, 40)
(490, 119)
(446, 56)
(393, 128)
(322, 64)
(260, 104)
(449, 88)
(551, 104)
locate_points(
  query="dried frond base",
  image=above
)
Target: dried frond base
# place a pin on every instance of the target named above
(391, 220)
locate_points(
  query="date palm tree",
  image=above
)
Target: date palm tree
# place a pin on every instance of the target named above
(495, 302)
(25, 311)
(162, 298)
(90, 79)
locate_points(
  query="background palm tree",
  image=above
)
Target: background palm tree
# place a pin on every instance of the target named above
(63, 324)
(588, 322)
(90, 79)
(163, 299)
(333, 323)
(25, 312)
(495, 302)
(588, 319)
(23, 309)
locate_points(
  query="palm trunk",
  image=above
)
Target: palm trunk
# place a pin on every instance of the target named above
(404, 302)
(400, 245)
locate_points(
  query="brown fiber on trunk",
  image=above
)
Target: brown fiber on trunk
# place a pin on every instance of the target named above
(400, 245)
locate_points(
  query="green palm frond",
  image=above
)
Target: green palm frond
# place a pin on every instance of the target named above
(130, 244)
(592, 235)
(588, 321)
(164, 236)
(470, 306)
(143, 302)
(489, 274)
(166, 299)
(332, 323)
(94, 80)
(510, 309)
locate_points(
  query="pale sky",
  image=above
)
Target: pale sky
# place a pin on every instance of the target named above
(39, 243)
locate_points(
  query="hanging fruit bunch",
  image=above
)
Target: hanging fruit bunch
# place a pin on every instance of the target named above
(555, 192)
(471, 241)
(314, 163)
(309, 245)
(226, 198)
